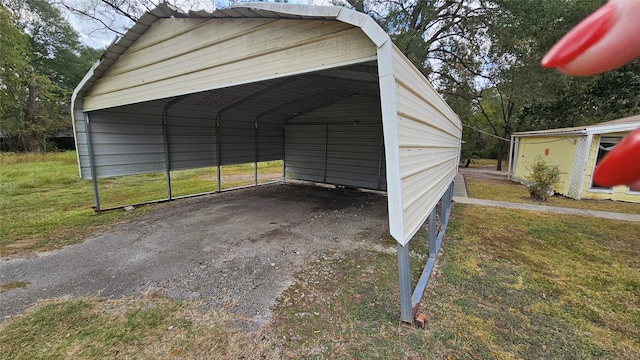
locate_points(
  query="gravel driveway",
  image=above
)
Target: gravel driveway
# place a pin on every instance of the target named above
(236, 251)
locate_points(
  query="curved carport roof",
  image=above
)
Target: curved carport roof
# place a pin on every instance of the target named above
(322, 88)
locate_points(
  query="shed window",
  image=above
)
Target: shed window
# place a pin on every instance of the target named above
(606, 144)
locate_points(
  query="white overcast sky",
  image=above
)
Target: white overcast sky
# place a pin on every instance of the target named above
(93, 34)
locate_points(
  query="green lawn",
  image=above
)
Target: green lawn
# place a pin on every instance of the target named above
(44, 205)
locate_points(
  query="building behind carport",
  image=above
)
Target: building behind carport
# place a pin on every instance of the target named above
(321, 88)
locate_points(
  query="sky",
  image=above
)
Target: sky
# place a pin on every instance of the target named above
(94, 34)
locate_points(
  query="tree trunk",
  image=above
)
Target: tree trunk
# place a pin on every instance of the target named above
(32, 139)
(500, 155)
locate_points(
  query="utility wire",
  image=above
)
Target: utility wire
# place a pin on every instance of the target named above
(487, 133)
(508, 140)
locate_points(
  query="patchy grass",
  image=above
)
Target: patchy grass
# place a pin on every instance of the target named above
(45, 206)
(346, 306)
(13, 285)
(512, 284)
(509, 284)
(151, 328)
(514, 192)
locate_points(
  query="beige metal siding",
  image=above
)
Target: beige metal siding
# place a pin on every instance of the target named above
(428, 137)
(184, 55)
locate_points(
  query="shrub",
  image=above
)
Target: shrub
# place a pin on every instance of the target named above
(541, 179)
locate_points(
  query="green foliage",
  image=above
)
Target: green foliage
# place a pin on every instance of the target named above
(541, 179)
(484, 57)
(42, 61)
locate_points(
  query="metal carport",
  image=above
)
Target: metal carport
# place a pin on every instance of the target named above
(321, 88)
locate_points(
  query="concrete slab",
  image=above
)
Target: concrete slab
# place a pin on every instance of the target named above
(236, 251)
(549, 209)
(460, 187)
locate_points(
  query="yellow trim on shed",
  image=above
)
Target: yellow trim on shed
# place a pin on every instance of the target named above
(618, 193)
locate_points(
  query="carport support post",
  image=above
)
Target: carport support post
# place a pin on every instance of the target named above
(433, 246)
(218, 176)
(444, 208)
(165, 140)
(92, 163)
(404, 270)
(255, 154)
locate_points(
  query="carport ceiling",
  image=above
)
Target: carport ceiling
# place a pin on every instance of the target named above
(279, 101)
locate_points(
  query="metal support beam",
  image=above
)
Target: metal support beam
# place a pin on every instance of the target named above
(326, 152)
(443, 209)
(380, 162)
(255, 154)
(92, 162)
(218, 157)
(284, 153)
(433, 249)
(445, 206)
(435, 241)
(165, 140)
(404, 271)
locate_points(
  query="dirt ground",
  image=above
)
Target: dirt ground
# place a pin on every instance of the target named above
(236, 251)
(485, 174)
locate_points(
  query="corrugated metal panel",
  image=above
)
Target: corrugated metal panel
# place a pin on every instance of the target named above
(428, 137)
(323, 146)
(191, 136)
(188, 60)
(125, 141)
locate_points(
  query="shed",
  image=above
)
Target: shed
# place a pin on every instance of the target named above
(321, 88)
(576, 151)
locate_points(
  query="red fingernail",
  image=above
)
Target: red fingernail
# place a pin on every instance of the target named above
(581, 37)
(621, 166)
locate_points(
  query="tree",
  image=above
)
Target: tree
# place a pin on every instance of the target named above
(508, 87)
(115, 17)
(14, 65)
(42, 62)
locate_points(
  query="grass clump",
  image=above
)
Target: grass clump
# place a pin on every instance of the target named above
(151, 328)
